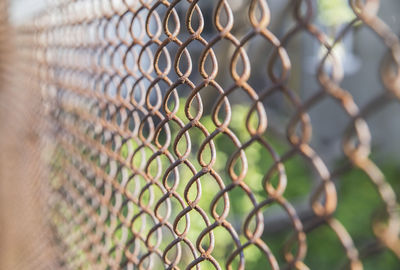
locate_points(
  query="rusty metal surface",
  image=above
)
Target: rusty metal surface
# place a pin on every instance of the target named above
(135, 102)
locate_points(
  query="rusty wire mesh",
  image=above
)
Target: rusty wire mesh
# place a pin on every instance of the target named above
(165, 153)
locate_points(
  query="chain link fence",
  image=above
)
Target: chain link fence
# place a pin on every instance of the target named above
(194, 134)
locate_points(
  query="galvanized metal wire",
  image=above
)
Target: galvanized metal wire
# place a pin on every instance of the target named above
(127, 88)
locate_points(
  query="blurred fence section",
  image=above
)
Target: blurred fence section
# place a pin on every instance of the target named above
(227, 134)
(25, 235)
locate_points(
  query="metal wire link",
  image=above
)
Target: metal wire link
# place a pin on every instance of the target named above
(141, 101)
